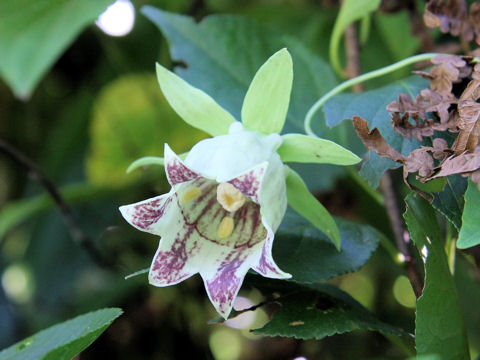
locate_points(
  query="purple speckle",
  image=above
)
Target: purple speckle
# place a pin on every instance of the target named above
(168, 267)
(249, 183)
(145, 214)
(225, 285)
(177, 172)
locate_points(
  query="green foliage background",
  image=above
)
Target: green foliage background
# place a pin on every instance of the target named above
(87, 105)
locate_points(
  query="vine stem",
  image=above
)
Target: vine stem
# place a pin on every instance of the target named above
(359, 79)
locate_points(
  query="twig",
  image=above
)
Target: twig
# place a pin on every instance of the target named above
(352, 47)
(77, 234)
(401, 235)
(386, 184)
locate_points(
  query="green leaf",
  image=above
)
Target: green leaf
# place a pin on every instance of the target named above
(395, 30)
(371, 105)
(266, 103)
(470, 232)
(33, 34)
(63, 341)
(352, 10)
(316, 311)
(193, 105)
(305, 252)
(132, 119)
(439, 320)
(449, 202)
(303, 202)
(307, 149)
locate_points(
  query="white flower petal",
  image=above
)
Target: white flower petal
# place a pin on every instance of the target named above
(227, 156)
(146, 215)
(177, 172)
(224, 280)
(266, 266)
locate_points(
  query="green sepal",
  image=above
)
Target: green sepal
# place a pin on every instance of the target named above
(266, 103)
(351, 11)
(149, 160)
(194, 106)
(304, 203)
(307, 149)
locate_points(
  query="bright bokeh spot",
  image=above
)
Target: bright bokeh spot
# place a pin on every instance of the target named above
(402, 290)
(360, 287)
(17, 283)
(226, 344)
(117, 19)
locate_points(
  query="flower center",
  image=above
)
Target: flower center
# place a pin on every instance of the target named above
(231, 200)
(230, 197)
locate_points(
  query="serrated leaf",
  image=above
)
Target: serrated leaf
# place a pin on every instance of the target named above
(307, 149)
(317, 311)
(194, 106)
(62, 341)
(470, 232)
(351, 10)
(132, 119)
(33, 34)
(371, 105)
(304, 203)
(266, 103)
(449, 202)
(309, 255)
(439, 326)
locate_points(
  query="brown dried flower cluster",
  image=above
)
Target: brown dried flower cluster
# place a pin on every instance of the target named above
(451, 16)
(435, 111)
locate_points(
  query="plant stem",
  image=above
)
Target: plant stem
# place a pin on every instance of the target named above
(400, 233)
(77, 234)
(359, 79)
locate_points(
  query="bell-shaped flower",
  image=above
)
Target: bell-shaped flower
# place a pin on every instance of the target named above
(229, 195)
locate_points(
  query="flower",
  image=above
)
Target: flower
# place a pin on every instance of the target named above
(229, 195)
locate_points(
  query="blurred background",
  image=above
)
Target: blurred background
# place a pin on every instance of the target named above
(100, 108)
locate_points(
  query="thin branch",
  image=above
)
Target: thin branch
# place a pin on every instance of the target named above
(391, 204)
(352, 47)
(77, 234)
(400, 233)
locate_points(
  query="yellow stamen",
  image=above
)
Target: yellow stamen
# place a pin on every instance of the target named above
(230, 197)
(191, 194)
(225, 228)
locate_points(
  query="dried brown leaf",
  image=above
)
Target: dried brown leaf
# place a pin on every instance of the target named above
(458, 164)
(450, 16)
(446, 72)
(469, 113)
(373, 140)
(419, 160)
(440, 149)
(409, 118)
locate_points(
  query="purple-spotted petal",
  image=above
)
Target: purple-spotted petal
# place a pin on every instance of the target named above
(266, 266)
(146, 215)
(174, 260)
(177, 172)
(223, 281)
(249, 183)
